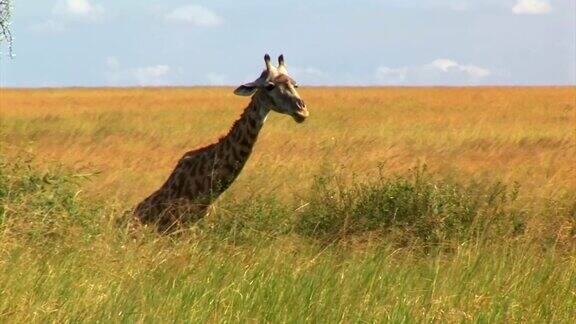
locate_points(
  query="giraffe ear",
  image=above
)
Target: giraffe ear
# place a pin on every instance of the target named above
(247, 89)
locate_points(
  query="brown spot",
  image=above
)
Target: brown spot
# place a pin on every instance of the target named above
(244, 142)
(236, 155)
(229, 168)
(194, 168)
(199, 185)
(244, 153)
(253, 135)
(176, 183)
(237, 136)
(253, 122)
(183, 186)
(188, 191)
(155, 200)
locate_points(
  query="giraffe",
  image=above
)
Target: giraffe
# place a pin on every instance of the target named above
(201, 175)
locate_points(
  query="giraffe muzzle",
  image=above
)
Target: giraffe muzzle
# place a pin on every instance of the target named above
(302, 113)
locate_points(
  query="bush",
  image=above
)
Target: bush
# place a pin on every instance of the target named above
(248, 221)
(418, 209)
(43, 205)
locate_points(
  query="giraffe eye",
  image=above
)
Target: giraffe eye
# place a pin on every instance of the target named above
(270, 86)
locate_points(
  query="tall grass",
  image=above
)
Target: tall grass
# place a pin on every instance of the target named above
(312, 230)
(136, 136)
(396, 249)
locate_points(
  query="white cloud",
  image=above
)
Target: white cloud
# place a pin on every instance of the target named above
(196, 15)
(474, 71)
(47, 26)
(153, 75)
(78, 9)
(440, 71)
(531, 7)
(443, 64)
(66, 10)
(449, 66)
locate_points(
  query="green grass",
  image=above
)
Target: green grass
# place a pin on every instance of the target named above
(399, 249)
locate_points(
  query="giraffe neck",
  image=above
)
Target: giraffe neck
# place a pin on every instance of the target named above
(244, 132)
(234, 149)
(203, 174)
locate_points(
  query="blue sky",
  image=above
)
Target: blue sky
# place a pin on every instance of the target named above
(361, 42)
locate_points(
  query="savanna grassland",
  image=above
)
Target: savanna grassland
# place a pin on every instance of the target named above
(386, 205)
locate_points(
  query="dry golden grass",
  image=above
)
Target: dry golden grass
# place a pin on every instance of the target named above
(135, 136)
(409, 249)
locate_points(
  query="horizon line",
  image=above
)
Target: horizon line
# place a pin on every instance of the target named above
(303, 86)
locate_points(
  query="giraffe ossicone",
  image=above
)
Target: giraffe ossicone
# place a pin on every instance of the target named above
(201, 175)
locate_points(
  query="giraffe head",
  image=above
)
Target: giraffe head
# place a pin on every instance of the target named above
(277, 89)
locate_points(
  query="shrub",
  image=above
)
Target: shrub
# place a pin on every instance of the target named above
(43, 205)
(416, 208)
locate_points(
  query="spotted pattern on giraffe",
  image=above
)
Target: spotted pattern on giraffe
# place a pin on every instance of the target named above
(201, 175)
